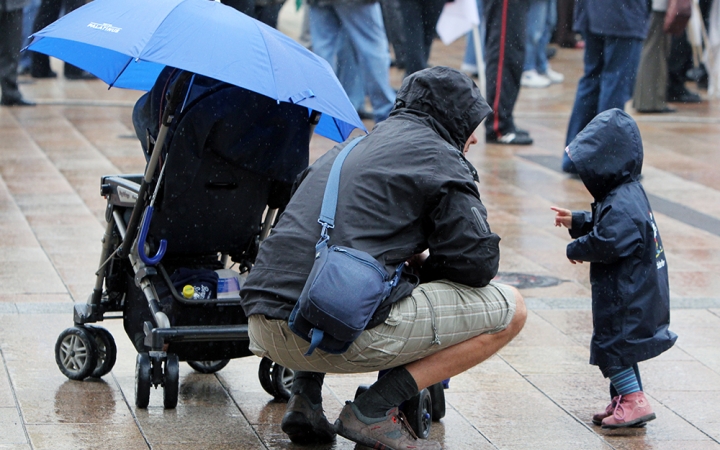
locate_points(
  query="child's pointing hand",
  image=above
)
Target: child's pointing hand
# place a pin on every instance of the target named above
(563, 217)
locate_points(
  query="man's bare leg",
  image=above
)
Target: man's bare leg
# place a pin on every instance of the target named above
(465, 355)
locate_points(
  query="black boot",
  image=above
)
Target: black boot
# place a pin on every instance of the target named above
(304, 420)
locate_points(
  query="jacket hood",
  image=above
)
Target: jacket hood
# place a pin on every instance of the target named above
(448, 98)
(608, 152)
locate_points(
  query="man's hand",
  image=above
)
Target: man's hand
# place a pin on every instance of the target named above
(563, 217)
(415, 262)
(575, 261)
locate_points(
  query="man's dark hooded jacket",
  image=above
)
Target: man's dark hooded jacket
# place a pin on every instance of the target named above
(404, 188)
(628, 269)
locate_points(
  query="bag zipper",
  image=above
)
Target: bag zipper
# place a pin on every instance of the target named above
(377, 269)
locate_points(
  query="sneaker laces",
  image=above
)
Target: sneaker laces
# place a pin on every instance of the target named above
(619, 406)
(404, 423)
(611, 407)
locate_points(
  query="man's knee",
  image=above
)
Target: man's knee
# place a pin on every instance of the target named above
(518, 321)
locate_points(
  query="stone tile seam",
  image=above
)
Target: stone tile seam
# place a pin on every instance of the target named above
(131, 410)
(60, 173)
(229, 393)
(15, 399)
(557, 404)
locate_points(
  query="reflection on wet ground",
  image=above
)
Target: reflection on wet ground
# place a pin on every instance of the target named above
(539, 392)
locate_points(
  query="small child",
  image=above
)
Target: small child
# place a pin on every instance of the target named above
(628, 270)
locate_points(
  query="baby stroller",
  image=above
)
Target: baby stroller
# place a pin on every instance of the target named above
(219, 156)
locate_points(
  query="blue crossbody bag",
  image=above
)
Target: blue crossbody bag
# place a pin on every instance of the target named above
(345, 285)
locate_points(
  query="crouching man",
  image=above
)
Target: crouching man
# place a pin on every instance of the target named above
(406, 193)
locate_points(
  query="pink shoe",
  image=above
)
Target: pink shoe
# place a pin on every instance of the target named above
(632, 410)
(598, 418)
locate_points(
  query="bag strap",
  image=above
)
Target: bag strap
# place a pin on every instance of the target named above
(329, 204)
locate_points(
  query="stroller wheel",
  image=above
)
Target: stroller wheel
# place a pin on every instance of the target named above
(75, 353)
(143, 380)
(106, 351)
(437, 394)
(264, 375)
(418, 411)
(208, 366)
(171, 381)
(282, 379)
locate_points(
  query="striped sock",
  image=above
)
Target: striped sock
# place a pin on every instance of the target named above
(625, 381)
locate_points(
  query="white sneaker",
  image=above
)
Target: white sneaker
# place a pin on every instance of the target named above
(554, 77)
(532, 79)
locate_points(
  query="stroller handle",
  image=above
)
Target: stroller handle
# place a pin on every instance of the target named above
(144, 227)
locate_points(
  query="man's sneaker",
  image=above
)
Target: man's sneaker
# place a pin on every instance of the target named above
(598, 418)
(532, 79)
(305, 423)
(509, 139)
(631, 410)
(391, 432)
(554, 77)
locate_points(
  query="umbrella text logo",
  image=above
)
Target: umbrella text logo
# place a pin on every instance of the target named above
(104, 27)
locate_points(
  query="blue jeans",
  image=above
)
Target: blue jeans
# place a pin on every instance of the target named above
(610, 67)
(470, 57)
(349, 73)
(541, 20)
(29, 13)
(363, 25)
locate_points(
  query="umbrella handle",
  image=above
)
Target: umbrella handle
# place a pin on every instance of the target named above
(144, 227)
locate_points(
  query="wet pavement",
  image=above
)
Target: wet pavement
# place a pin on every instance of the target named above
(539, 392)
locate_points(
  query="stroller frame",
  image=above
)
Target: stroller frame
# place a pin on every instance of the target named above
(82, 351)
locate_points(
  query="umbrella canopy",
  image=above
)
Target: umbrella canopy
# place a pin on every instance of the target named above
(126, 43)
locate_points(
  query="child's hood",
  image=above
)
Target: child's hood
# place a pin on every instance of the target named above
(608, 152)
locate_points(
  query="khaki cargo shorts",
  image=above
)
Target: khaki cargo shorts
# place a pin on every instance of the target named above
(436, 316)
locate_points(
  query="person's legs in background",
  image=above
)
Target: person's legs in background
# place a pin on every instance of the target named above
(431, 13)
(419, 18)
(350, 76)
(29, 14)
(543, 66)
(411, 53)
(69, 71)
(588, 93)
(534, 49)
(564, 34)
(469, 64)
(504, 56)
(392, 19)
(10, 42)
(305, 37)
(679, 62)
(622, 56)
(651, 81)
(610, 69)
(363, 25)
(47, 13)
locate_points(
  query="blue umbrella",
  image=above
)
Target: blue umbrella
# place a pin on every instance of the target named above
(126, 43)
